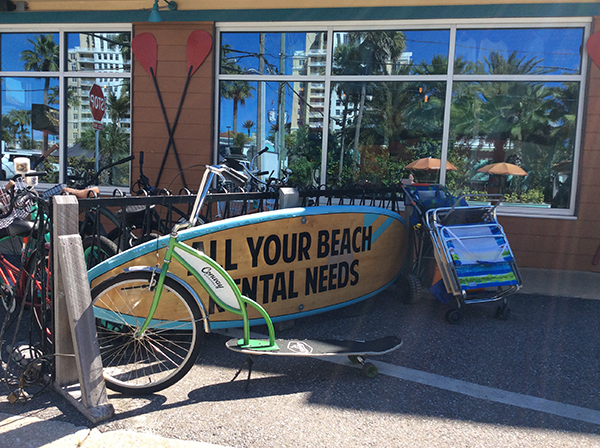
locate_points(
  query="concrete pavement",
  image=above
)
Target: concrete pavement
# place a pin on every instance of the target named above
(31, 432)
(548, 282)
(25, 432)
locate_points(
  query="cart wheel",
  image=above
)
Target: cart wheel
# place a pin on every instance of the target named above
(369, 370)
(354, 359)
(410, 289)
(502, 312)
(454, 317)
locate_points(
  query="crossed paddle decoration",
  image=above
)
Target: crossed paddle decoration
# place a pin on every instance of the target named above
(145, 49)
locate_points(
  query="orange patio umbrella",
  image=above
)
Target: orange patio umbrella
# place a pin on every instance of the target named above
(428, 164)
(503, 169)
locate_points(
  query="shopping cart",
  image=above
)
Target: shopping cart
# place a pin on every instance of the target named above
(469, 246)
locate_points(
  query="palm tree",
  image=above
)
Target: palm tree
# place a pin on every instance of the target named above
(505, 120)
(380, 52)
(9, 129)
(123, 41)
(118, 108)
(248, 125)
(346, 61)
(21, 118)
(238, 92)
(44, 57)
(113, 142)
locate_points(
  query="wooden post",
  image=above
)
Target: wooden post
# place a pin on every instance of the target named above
(288, 197)
(75, 341)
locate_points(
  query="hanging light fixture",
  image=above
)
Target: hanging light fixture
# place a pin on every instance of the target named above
(155, 15)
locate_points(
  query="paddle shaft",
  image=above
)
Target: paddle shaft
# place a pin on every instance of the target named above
(171, 141)
(172, 130)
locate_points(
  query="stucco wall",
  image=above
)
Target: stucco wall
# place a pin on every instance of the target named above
(193, 135)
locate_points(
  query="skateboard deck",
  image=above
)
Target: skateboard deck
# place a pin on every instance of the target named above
(309, 347)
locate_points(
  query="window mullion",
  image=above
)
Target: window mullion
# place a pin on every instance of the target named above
(447, 106)
(327, 106)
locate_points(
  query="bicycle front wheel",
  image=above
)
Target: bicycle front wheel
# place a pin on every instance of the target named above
(139, 364)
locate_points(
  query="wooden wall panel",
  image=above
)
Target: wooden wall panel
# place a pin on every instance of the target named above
(569, 244)
(193, 135)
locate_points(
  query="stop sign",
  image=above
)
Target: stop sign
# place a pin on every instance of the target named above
(97, 102)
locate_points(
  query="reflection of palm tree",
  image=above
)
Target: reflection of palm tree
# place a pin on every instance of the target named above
(113, 143)
(43, 58)
(238, 92)
(123, 41)
(346, 62)
(9, 129)
(248, 125)
(118, 108)
(21, 118)
(380, 52)
(526, 122)
(505, 120)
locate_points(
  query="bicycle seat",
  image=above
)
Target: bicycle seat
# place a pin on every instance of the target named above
(19, 227)
(135, 214)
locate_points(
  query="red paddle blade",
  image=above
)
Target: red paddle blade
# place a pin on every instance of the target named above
(145, 49)
(199, 45)
(593, 47)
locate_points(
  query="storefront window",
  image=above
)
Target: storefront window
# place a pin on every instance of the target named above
(34, 85)
(113, 137)
(272, 53)
(99, 52)
(400, 122)
(535, 137)
(285, 118)
(542, 51)
(383, 95)
(391, 52)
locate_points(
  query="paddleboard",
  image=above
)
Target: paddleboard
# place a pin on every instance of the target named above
(294, 262)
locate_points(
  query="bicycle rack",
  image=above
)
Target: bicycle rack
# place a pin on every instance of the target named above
(78, 376)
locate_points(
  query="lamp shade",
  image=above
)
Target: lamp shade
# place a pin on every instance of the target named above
(155, 15)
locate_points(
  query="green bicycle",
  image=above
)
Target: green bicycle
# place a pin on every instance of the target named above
(150, 322)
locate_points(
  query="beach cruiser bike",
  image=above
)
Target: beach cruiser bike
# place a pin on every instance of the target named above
(150, 323)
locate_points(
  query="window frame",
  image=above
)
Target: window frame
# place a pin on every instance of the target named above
(449, 78)
(63, 74)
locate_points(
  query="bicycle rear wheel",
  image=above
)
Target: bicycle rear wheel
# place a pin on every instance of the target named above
(96, 249)
(165, 352)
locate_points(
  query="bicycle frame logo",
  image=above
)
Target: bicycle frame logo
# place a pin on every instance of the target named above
(208, 274)
(206, 270)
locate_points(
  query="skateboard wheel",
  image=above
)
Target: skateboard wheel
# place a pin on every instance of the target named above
(354, 359)
(370, 370)
(454, 317)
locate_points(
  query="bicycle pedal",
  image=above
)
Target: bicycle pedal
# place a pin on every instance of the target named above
(12, 398)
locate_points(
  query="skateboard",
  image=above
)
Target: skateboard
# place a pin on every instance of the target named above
(355, 350)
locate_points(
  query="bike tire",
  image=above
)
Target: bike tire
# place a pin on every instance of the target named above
(97, 249)
(141, 365)
(35, 288)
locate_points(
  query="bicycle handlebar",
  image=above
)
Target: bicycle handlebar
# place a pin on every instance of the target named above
(236, 177)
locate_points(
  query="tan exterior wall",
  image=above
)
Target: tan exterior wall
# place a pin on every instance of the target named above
(116, 5)
(569, 244)
(193, 135)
